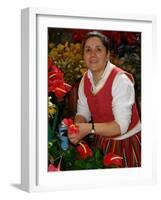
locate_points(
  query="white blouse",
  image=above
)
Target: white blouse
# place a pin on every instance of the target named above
(123, 97)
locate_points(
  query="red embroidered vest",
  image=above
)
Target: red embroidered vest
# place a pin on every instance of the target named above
(100, 104)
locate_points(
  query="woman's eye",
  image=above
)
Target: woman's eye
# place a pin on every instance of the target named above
(99, 49)
(87, 50)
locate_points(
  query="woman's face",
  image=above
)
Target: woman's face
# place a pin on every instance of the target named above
(95, 54)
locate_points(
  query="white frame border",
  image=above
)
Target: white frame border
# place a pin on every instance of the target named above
(29, 139)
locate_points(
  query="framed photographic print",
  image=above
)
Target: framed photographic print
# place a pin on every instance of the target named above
(73, 64)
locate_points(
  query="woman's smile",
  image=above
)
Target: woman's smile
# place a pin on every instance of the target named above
(93, 61)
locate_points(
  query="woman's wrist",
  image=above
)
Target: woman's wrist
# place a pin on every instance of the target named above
(84, 128)
(88, 128)
(93, 130)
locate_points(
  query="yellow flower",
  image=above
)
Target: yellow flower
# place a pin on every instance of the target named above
(51, 108)
(69, 58)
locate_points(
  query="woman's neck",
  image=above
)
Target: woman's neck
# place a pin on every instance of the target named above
(97, 76)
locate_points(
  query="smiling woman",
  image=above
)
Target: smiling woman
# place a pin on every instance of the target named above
(106, 98)
(106, 95)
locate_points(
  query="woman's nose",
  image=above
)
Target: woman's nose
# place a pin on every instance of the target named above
(93, 53)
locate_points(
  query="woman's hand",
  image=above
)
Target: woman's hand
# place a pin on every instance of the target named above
(83, 129)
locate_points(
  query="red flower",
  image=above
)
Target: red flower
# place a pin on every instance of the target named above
(116, 37)
(73, 129)
(67, 87)
(49, 62)
(55, 73)
(57, 86)
(131, 38)
(68, 121)
(112, 159)
(53, 168)
(84, 150)
(56, 83)
(77, 36)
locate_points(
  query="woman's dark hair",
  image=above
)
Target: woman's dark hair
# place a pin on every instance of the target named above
(104, 39)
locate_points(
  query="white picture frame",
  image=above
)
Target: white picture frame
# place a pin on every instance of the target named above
(34, 175)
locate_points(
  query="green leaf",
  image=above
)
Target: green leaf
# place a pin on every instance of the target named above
(80, 164)
(98, 155)
(70, 153)
(55, 119)
(50, 133)
(98, 158)
(91, 165)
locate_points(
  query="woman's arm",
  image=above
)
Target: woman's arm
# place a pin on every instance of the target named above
(83, 112)
(123, 99)
(109, 129)
(80, 119)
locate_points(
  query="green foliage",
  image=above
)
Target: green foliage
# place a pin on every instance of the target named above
(71, 159)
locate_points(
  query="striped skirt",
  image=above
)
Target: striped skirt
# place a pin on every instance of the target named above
(129, 148)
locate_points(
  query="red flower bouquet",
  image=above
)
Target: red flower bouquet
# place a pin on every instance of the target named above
(56, 84)
(72, 128)
(53, 168)
(112, 159)
(84, 150)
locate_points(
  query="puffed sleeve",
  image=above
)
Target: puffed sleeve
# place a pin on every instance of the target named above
(82, 105)
(123, 99)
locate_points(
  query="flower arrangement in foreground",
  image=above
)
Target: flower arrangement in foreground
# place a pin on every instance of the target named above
(80, 156)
